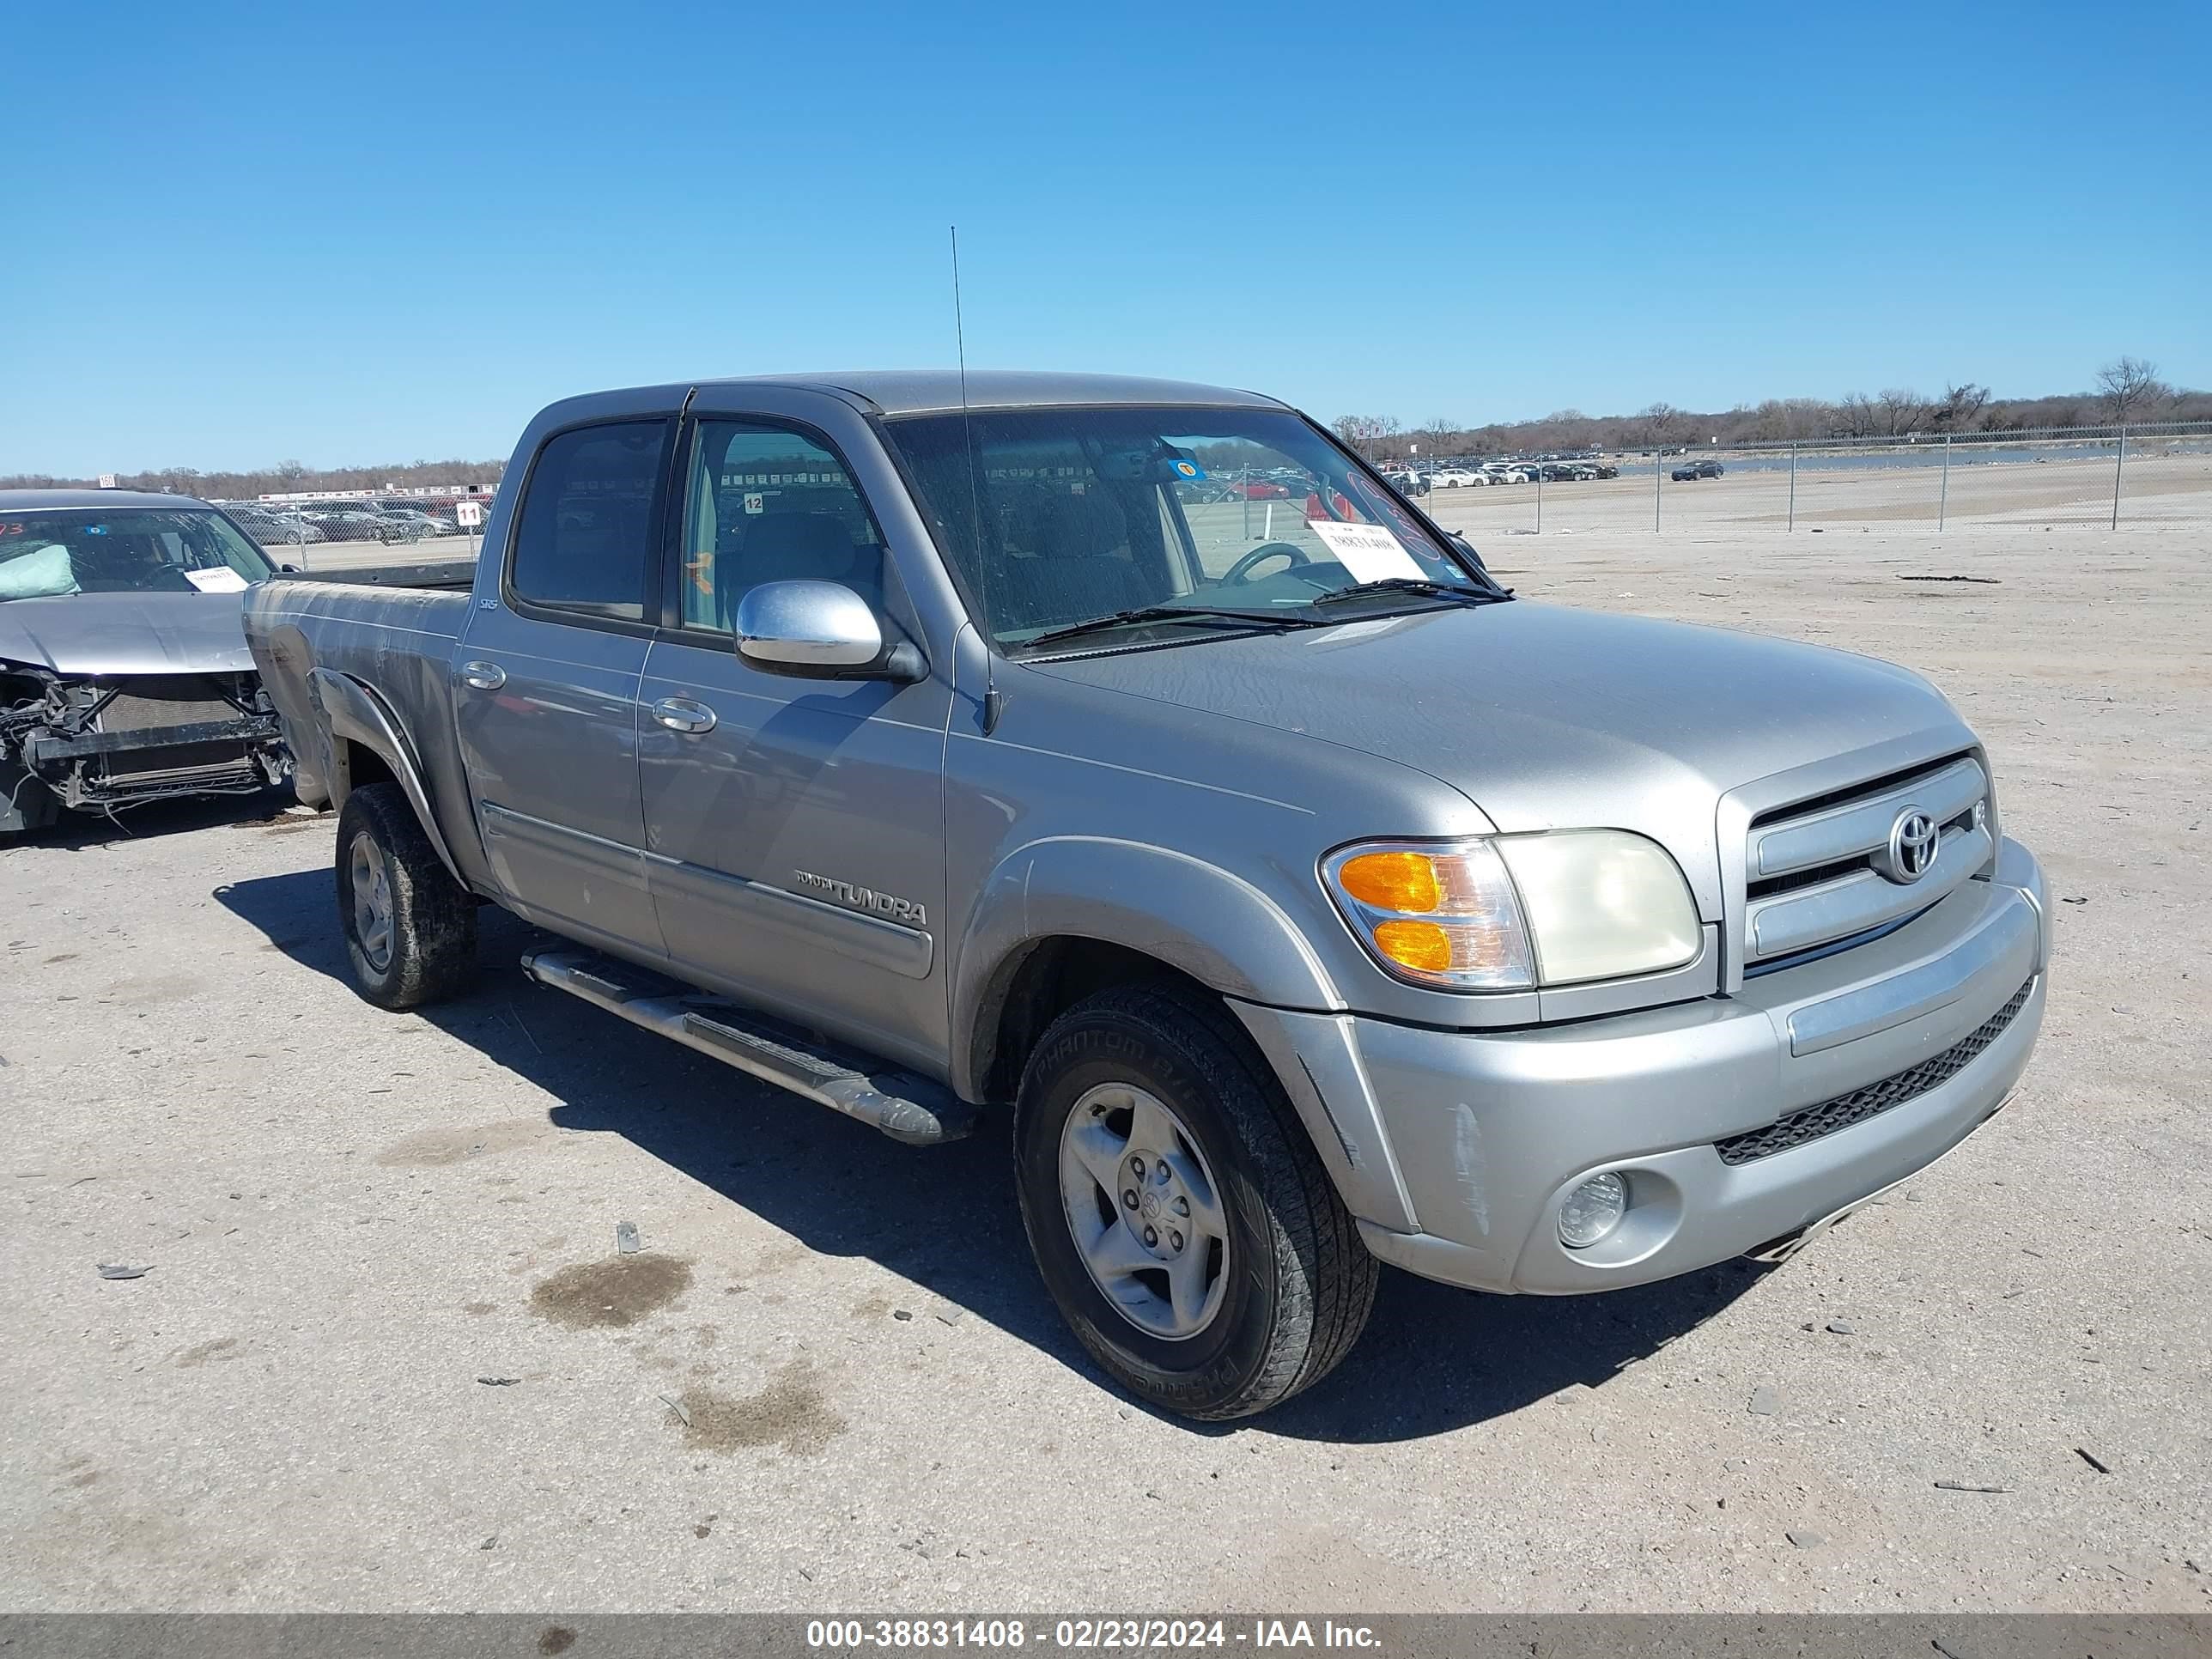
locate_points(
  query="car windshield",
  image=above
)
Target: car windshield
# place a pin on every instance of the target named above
(50, 552)
(1058, 518)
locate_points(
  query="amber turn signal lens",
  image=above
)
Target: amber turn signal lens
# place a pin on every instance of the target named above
(1421, 945)
(1440, 914)
(1404, 881)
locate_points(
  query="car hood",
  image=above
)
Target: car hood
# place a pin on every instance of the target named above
(1548, 717)
(127, 633)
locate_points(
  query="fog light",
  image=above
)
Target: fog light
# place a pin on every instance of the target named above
(1593, 1210)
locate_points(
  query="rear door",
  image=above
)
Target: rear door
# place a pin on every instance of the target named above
(794, 826)
(546, 682)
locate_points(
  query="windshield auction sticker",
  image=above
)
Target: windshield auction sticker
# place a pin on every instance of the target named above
(223, 579)
(1368, 552)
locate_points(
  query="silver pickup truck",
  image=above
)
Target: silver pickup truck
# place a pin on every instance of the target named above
(1130, 752)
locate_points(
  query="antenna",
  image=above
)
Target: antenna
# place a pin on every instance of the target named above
(990, 704)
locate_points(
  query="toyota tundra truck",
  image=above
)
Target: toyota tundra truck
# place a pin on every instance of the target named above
(924, 744)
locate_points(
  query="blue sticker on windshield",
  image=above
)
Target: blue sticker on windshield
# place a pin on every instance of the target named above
(1184, 469)
(96, 530)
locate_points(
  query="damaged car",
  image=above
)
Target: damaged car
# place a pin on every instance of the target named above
(124, 675)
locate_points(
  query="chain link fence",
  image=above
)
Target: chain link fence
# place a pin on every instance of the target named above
(2082, 477)
(331, 531)
(2106, 478)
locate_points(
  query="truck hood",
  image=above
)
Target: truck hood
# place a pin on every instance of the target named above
(127, 633)
(1548, 717)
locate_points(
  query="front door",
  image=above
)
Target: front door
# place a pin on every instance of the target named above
(546, 685)
(794, 828)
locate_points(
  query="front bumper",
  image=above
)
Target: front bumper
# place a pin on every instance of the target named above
(1455, 1149)
(99, 767)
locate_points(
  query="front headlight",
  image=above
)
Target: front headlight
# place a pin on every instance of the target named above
(1512, 912)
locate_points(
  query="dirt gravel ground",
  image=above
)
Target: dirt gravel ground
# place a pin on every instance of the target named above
(386, 1354)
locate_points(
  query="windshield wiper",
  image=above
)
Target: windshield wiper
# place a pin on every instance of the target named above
(1421, 586)
(1193, 613)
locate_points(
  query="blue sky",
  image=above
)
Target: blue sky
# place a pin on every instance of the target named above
(342, 232)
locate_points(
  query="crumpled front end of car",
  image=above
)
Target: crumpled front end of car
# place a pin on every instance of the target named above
(100, 743)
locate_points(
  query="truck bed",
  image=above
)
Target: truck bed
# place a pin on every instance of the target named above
(397, 639)
(434, 574)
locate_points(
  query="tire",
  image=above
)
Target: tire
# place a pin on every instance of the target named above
(426, 950)
(1291, 1285)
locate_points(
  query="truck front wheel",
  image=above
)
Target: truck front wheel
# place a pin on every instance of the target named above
(411, 929)
(1178, 1214)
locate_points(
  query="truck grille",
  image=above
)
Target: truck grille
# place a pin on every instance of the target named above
(1813, 872)
(1809, 1123)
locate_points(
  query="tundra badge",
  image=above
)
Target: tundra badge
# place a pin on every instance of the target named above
(865, 898)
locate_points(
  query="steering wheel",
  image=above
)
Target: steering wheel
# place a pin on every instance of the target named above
(1241, 572)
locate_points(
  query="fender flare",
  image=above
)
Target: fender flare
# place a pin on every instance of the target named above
(1197, 917)
(1225, 932)
(352, 711)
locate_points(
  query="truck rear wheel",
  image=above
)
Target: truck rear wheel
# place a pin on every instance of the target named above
(411, 929)
(1178, 1214)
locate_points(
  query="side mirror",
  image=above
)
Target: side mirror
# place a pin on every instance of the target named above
(819, 630)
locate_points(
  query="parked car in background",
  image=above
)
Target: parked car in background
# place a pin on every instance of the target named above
(124, 676)
(957, 782)
(438, 512)
(1457, 478)
(1691, 470)
(363, 521)
(410, 525)
(342, 522)
(274, 529)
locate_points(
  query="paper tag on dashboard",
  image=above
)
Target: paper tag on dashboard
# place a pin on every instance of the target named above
(223, 580)
(1368, 552)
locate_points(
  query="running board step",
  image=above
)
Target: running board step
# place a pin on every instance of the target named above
(904, 1107)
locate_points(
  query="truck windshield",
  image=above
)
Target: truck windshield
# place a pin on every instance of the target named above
(1058, 518)
(48, 553)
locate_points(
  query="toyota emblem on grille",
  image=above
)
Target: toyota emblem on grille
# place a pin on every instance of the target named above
(1911, 852)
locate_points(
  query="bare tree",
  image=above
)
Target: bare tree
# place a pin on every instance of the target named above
(1368, 434)
(2129, 385)
(1439, 433)
(1902, 410)
(1958, 404)
(1857, 415)
(1659, 421)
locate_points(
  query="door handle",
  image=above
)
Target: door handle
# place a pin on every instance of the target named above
(484, 676)
(682, 714)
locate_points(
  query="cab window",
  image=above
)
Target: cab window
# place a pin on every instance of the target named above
(584, 538)
(768, 503)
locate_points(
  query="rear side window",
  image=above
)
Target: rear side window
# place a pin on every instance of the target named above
(584, 541)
